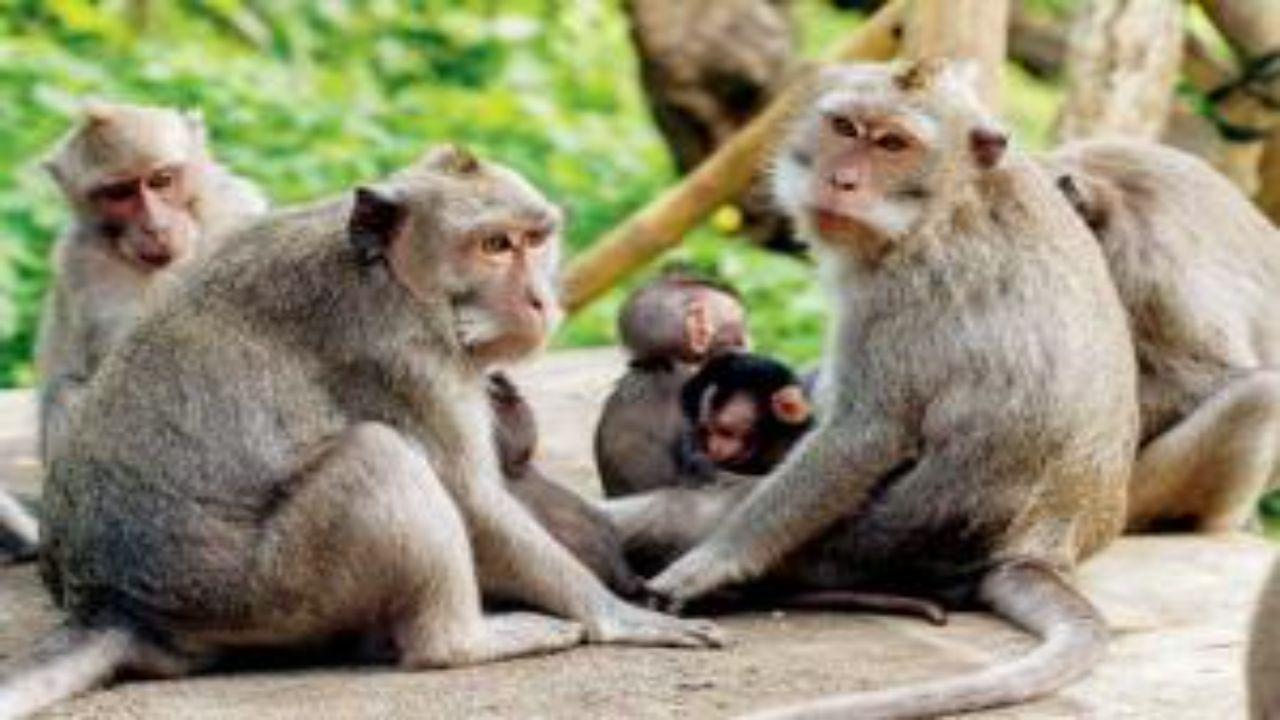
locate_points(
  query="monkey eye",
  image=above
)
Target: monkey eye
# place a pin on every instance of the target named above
(844, 126)
(496, 244)
(116, 192)
(892, 142)
(536, 238)
(161, 179)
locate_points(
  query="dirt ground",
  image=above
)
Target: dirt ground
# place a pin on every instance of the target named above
(1178, 607)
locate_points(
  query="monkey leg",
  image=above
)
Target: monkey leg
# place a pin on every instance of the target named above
(1208, 471)
(669, 522)
(58, 399)
(371, 536)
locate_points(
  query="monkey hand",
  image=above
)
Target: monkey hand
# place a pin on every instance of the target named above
(695, 574)
(625, 624)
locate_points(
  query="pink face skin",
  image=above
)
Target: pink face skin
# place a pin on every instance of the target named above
(861, 159)
(148, 216)
(729, 433)
(511, 268)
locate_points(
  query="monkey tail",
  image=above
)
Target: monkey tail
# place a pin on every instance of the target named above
(66, 662)
(1028, 594)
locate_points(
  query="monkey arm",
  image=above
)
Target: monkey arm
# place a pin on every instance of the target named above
(827, 477)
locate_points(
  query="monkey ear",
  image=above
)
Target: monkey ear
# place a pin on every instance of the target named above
(987, 145)
(377, 217)
(790, 406)
(1093, 215)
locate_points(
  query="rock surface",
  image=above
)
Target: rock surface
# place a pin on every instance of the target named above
(1179, 607)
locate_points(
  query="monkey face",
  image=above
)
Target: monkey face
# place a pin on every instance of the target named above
(471, 241)
(147, 217)
(728, 431)
(862, 163)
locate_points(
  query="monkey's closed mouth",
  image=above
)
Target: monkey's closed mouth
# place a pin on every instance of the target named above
(829, 222)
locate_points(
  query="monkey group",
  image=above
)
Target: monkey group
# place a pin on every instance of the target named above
(270, 430)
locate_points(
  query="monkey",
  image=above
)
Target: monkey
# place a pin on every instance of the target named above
(19, 531)
(1198, 270)
(584, 530)
(745, 412)
(147, 199)
(979, 417)
(297, 443)
(1264, 653)
(670, 327)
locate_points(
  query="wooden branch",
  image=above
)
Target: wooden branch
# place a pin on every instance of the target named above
(1121, 68)
(1251, 27)
(963, 29)
(662, 223)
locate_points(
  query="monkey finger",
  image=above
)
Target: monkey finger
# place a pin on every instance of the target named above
(636, 626)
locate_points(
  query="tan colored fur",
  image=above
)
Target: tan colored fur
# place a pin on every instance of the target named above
(1263, 668)
(298, 444)
(97, 295)
(980, 416)
(1198, 269)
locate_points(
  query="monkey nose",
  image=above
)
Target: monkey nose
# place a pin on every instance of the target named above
(843, 181)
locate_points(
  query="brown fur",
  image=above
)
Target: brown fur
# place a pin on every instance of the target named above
(979, 416)
(1198, 269)
(298, 445)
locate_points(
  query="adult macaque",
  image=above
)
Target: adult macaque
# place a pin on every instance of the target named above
(1264, 654)
(19, 531)
(745, 412)
(298, 444)
(669, 327)
(1198, 269)
(147, 198)
(582, 528)
(980, 418)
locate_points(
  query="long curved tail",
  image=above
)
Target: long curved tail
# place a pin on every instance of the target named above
(68, 661)
(1028, 594)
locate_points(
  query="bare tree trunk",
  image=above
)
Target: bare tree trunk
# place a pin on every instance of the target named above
(1252, 104)
(963, 29)
(663, 223)
(708, 67)
(1122, 64)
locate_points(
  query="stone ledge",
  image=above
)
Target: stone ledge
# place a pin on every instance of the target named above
(1179, 607)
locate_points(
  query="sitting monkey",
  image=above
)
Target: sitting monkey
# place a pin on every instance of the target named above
(1198, 269)
(298, 445)
(978, 419)
(148, 199)
(657, 429)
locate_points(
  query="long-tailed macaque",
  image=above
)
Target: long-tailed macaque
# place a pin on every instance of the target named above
(582, 528)
(670, 327)
(978, 418)
(1198, 269)
(147, 198)
(298, 445)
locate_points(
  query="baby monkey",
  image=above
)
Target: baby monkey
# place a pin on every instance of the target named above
(579, 526)
(745, 412)
(681, 412)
